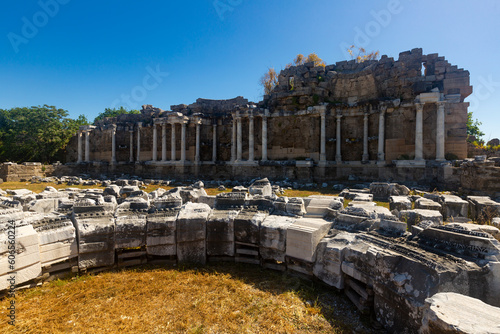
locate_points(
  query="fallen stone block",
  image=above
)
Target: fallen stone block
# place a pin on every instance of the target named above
(191, 233)
(161, 232)
(399, 203)
(220, 232)
(449, 312)
(273, 232)
(261, 187)
(483, 208)
(453, 206)
(414, 217)
(329, 258)
(427, 204)
(303, 236)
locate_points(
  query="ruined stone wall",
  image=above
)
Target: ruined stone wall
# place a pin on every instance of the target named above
(342, 96)
(12, 172)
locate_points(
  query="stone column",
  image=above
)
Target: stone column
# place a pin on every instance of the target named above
(197, 152)
(164, 142)
(233, 142)
(322, 153)
(381, 134)
(338, 153)
(251, 145)
(131, 159)
(419, 138)
(183, 142)
(172, 143)
(139, 126)
(87, 146)
(113, 144)
(214, 142)
(239, 147)
(366, 156)
(155, 143)
(264, 138)
(80, 149)
(440, 129)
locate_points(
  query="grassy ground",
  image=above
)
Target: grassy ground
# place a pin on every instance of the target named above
(222, 298)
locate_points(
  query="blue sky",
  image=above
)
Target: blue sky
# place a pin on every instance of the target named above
(84, 56)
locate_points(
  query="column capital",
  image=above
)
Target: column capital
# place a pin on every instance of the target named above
(440, 104)
(420, 106)
(139, 124)
(383, 108)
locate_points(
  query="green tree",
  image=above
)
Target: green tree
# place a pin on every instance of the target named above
(473, 127)
(114, 112)
(36, 133)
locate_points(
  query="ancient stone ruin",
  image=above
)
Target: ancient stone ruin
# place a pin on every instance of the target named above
(379, 119)
(403, 266)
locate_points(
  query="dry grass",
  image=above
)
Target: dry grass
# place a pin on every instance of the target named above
(39, 187)
(223, 298)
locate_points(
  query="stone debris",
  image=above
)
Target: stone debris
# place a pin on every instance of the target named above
(449, 312)
(364, 249)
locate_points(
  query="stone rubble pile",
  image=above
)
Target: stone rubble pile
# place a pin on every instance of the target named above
(395, 264)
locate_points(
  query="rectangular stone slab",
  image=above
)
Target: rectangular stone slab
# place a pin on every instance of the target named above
(273, 237)
(303, 237)
(161, 233)
(247, 226)
(220, 233)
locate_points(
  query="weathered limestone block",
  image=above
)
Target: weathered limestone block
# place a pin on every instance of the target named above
(19, 192)
(483, 208)
(427, 204)
(96, 238)
(330, 254)
(494, 231)
(190, 194)
(220, 232)
(191, 233)
(261, 203)
(303, 236)
(382, 191)
(208, 200)
(319, 207)
(399, 203)
(351, 193)
(232, 200)
(261, 187)
(112, 190)
(130, 229)
(363, 198)
(280, 205)
(414, 217)
(295, 206)
(379, 190)
(43, 205)
(56, 238)
(362, 217)
(247, 226)
(449, 312)
(167, 202)
(126, 191)
(161, 232)
(496, 222)
(454, 206)
(27, 257)
(273, 237)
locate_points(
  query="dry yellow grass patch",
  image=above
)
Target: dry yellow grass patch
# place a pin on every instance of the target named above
(226, 298)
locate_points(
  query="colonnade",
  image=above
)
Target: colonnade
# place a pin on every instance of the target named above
(237, 136)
